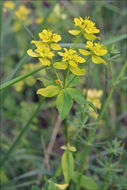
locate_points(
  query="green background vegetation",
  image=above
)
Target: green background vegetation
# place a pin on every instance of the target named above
(28, 122)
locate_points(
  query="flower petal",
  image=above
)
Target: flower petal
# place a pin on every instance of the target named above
(72, 63)
(60, 65)
(31, 53)
(91, 37)
(74, 32)
(61, 54)
(44, 61)
(98, 60)
(77, 71)
(55, 46)
(62, 187)
(80, 59)
(84, 52)
(56, 38)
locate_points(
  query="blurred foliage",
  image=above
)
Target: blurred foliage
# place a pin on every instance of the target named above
(25, 165)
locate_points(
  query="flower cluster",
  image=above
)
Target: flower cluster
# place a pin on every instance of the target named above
(89, 30)
(86, 27)
(95, 50)
(22, 12)
(70, 59)
(9, 5)
(45, 47)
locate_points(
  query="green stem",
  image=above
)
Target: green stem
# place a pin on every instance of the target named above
(17, 79)
(71, 81)
(75, 75)
(57, 76)
(23, 131)
(76, 41)
(1, 16)
(91, 138)
(66, 74)
(66, 131)
(83, 167)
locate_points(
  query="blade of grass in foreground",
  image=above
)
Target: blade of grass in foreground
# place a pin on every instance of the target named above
(23, 131)
(1, 16)
(17, 79)
(115, 39)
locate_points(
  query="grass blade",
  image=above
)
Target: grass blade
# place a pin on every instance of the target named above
(17, 79)
(115, 39)
(1, 16)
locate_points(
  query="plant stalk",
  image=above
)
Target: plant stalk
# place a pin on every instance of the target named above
(66, 131)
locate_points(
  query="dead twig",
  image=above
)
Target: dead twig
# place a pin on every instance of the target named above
(49, 149)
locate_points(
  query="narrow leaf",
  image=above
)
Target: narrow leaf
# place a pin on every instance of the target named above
(91, 105)
(64, 103)
(67, 165)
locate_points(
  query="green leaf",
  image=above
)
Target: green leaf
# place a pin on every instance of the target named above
(58, 171)
(67, 165)
(35, 187)
(51, 185)
(77, 95)
(49, 91)
(91, 105)
(64, 103)
(45, 81)
(86, 181)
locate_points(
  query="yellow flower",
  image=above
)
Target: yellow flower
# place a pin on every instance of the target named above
(43, 51)
(62, 187)
(71, 59)
(9, 5)
(22, 12)
(44, 54)
(49, 39)
(39, 20)
(86, 27)
(95, 50)
(19, 86)
(94, 95)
